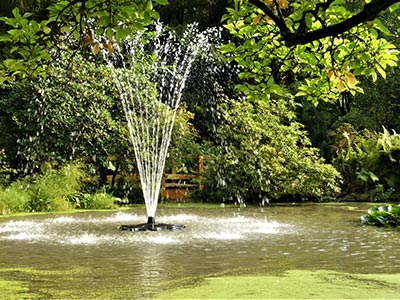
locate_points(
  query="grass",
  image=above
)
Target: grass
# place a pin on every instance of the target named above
(291, 285)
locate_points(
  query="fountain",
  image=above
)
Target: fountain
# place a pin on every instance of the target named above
(85, 247)
(150, 85)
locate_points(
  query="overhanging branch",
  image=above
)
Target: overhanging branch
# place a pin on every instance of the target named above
(278, 21)
(369, 12)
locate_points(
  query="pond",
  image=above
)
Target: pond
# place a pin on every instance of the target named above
(84, 255)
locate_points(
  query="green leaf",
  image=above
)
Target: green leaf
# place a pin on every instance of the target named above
(27, 15)
(227, 48)
(16, 14)
(5, 38)
(301, 93)
(381, 71)
(374, 76)
(46, 30)
(309, 21)
(162, 2)
(382, 28)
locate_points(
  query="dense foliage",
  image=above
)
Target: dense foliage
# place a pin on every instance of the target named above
(47, 192)
(71, 114)
(319, 70)
(33, 40)
(263, 153)
(368, 161)
(285, 64)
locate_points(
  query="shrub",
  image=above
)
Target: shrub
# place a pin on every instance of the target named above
(264, 152)
(14, 198)
(99, 200)
(47, 192)
(368, 161)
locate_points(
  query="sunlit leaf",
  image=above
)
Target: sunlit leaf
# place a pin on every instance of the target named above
(96, 49)
(270, 21)
(381, 71)
(332, 75)
(87, 40)
(350, 80)
(110, 48)
(283, 4)
(301, 93)
(257, 19)
(341, 87)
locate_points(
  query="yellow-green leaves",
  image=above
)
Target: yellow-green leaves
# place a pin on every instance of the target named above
(96, 49)
(110, 19)
(343, 79)
(320, 70)
(89, 22)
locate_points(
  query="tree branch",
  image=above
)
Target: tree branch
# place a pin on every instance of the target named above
(369, 12)
(279, 22)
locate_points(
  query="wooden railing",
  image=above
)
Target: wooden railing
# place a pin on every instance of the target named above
(179, 186)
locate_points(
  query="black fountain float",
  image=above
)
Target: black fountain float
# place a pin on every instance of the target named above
(151, 225)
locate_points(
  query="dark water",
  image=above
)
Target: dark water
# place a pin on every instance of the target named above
(86, 256)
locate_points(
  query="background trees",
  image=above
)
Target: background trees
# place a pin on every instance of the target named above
(293, 61)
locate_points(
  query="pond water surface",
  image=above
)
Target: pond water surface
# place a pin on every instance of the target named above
(84, 255)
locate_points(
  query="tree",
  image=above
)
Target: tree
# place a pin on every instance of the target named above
(31, 41)
(69, 115)
(293, 45)
(301, 31)
(207, 13)
(38, 7)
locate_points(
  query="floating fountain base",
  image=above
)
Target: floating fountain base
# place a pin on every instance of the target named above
(151, 225)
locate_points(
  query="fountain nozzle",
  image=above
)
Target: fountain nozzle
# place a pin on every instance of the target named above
(151, 221)
(151, 226)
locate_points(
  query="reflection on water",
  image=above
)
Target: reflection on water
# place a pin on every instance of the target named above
(138, 264)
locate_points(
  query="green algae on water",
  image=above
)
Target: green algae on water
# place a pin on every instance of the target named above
(11, 289)
(293, 285)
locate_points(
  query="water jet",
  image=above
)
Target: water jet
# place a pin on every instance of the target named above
(150, 86)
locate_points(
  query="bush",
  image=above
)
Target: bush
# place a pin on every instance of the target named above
(14, 198)
(264, 152)
(368, 161)
(99, 200)
(47, 192)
